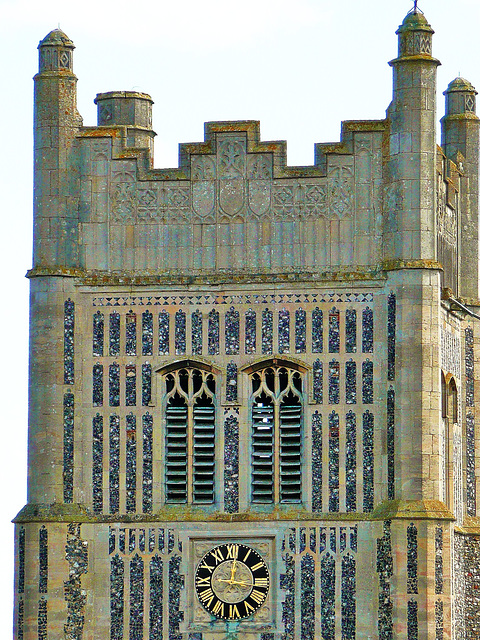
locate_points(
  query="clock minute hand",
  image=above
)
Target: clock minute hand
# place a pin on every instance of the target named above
(234, 569)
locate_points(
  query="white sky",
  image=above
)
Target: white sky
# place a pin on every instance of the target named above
(299, 67)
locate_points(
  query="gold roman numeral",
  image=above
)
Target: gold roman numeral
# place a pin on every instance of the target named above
(248, 607)
(206, 566)
(232, 551)
(204, 582)
(207, 597)
(233, 611)
(247, 554)
(261, 582)
(218, 608)
(257, 566)
(217, 554)
(257, 597)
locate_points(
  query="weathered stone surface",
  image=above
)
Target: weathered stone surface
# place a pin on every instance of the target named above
(239, 351)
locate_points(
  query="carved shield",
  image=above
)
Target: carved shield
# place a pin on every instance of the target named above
(232, 196)
(259, 195)
(203, 197)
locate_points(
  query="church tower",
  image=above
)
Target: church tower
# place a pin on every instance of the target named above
(253, 387)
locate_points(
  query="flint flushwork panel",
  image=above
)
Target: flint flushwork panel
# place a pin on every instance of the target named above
(317, 555)
(335, 381)
(68, 343)
(471, 494)
(385, 573)
(231, 470)
(469, 367)
(146, 564)
(42, 619)
(21, 561)
(42, 560)
(451, 353)
(68, 446)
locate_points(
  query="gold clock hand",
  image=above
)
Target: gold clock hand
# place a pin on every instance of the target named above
(234, 568)
(244, 584)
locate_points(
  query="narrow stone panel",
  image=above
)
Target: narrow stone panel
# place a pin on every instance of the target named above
(349, 611)
(351, 462)
(197, 333)
(317, 469)
(267, 331)
(131, 463)
(155, 620)
(317, 330)
(114, 467)
(391, 443)
(163, 333)
(114, 334)
(250, 332)
(147, 333)
(412, 559)
(147, 457)
(97, 463)
(318, 381)
(131, 334)
(98, 334)
(136, 598)
(68, 342)
(333, 462)
(42, 560)
(213, 333)
(351, 331)
(368, 461)
(307, 607)
(391, 331)
(68, 446)
(231, 471)
(117, 604)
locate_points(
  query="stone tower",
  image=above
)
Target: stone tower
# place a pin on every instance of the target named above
(253, 386)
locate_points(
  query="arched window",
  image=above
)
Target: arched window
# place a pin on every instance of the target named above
(190, 436)
(449, 400)
(452, 404)
(276, 437)
(444, 397)
(451, 473)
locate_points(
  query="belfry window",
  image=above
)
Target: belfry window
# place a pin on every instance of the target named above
(277, 414)
(449, 400)
(190, 436)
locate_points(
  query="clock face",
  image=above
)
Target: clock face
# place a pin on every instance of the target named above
(232, 581)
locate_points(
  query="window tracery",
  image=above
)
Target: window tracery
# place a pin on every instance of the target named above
(277, 415)
(190, 436)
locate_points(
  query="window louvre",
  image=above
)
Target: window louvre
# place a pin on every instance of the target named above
(203, 452)
(277, 413)
(262, 451)
(190, 437)
(290, 451)
(176, 454)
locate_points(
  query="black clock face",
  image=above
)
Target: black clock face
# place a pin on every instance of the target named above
(232, 581)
